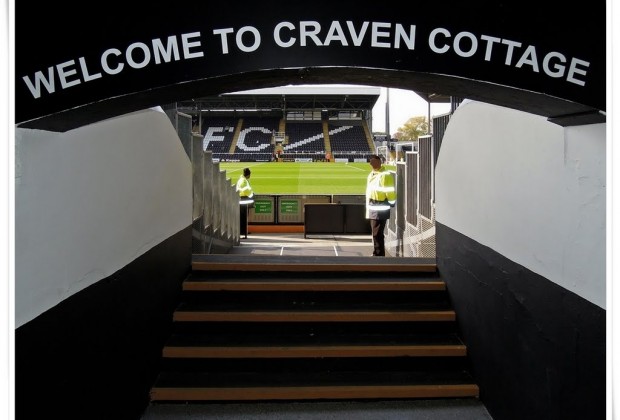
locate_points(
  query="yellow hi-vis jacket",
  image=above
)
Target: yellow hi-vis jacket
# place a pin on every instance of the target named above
(380, 192)
(245, 190)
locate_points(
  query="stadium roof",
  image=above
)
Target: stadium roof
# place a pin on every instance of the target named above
(314, 90)
(288, 98)
(296, 98)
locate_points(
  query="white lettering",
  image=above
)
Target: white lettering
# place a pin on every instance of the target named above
(335, 33)
(457, 44)
(223, 33)
(129, 55)
(187, 45)
(159, 51)
(104, 61)
(408, 39)
(573, 69)
(256, 35)
(511, 47)
(278, 38)
(85, 73)
(357, 37)
(35, 89)
(529, 57)
(62, 74)
(433, 45)
(376, 33)
(553, 64)
(309, 29)
(139, 55)
(559, 69)
(490, 41)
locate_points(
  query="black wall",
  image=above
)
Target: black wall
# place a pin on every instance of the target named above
(85, 69)
(333, 218)
(537, 349)
(96, 354)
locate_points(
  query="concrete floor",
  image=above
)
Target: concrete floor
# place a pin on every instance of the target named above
(297, 244)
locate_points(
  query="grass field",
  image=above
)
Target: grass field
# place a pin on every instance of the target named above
(302, 177)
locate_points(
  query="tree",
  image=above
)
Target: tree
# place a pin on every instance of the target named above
(413, 128)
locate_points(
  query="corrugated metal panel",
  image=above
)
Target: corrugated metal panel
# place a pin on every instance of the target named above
(411, 209)
(440, 124)
(426, 168)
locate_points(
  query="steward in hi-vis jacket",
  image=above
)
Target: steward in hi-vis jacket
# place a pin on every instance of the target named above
(246, 200)
(244, 188)
(380, 198)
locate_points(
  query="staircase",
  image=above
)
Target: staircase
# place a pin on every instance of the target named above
(326, 139)
(258, 328)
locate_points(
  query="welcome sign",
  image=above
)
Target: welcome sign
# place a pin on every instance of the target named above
(159, 53)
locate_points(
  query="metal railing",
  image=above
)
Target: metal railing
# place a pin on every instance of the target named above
(216, 205)
(410, 231)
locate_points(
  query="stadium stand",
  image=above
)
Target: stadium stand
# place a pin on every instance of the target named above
(315, 123)
(304, 137)
(255, 139)
(348, 140)
(304, 140)
(218, 134)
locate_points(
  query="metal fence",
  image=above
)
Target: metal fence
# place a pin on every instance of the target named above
(410, 231)
(215, 203)
(215, 213)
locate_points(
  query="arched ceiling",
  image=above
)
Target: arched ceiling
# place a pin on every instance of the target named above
(123, 58)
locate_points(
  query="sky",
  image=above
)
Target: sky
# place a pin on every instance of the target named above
(404, 104)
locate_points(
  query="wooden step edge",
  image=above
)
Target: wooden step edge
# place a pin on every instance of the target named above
(314, 267)
(314, 392)
(231, 352)
(198, 286)
(315, 316)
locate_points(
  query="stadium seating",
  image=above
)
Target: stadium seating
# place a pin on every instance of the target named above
(348, 140)
(255, 139)
(306, 137)
(218, 134)
(304, 140)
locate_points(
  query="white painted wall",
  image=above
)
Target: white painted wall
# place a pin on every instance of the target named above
(92, 200)
(531, 190)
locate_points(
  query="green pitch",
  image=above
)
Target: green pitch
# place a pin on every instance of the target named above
(302, 177)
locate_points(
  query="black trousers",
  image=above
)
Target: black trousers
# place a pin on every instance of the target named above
(243, 220)
(377, 228)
